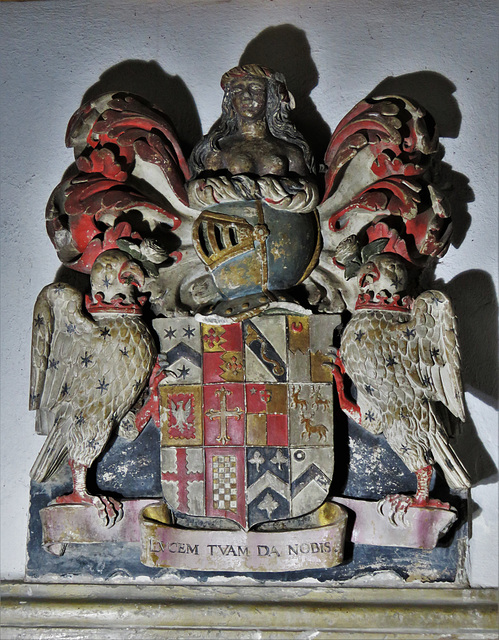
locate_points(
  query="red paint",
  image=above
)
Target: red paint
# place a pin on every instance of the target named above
(394, 303)
(125, 121)
(384, 166)
(104, 162)
(350, 407)
(212, 367)
(277, 430)
(233, 336)
(395, 243)
(374, 127)
(257, 398)
(124, 131)
(176, 256)
(182, 478)
(115, 306)
(150, 409)
(393, 196)
(431, 233)
(234, 400)
(224, 338)
(255, 402)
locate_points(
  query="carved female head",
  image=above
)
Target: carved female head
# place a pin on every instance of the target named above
(270, 100)
(247, 95)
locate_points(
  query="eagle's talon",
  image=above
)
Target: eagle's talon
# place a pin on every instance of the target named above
(109, 510)
(397, 508)
(433, 503)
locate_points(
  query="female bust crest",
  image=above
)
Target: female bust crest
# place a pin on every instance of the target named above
(253, 180)
(254, 151)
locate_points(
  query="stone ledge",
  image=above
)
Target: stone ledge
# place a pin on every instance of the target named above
(51, 611)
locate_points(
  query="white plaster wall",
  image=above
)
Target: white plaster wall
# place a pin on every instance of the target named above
(52, 52)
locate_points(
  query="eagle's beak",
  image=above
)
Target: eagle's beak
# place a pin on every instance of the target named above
(131, 273)
(369, 275)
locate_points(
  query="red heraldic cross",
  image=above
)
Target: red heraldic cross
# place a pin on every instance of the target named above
(182, 478)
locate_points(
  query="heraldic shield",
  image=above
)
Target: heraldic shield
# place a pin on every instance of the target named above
(246, 416)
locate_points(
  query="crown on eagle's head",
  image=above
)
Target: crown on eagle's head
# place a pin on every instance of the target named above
(395, 302)
(117, 305)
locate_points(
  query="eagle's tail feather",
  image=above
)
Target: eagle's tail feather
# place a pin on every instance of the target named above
(52, 455)
(456, 475)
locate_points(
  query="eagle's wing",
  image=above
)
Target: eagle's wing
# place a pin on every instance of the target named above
(41, 338)
(57, 321)
(186, 412)
(438, 358)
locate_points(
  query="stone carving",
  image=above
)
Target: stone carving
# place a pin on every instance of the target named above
(403, 357)
(88, 372)
(254, 151)
(242, 453)
(248, 276)
(253, 179)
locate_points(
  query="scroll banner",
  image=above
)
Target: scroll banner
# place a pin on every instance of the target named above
(314, 541)
(311, 541)
(417, 528)
(64, 524)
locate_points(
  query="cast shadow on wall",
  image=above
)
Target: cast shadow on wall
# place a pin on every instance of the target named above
(166, 92)
(434, 92)
(285, 48)
(475, 304)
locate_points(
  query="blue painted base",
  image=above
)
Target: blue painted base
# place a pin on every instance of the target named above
(365, 467)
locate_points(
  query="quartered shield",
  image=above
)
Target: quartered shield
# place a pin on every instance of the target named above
(246, 416)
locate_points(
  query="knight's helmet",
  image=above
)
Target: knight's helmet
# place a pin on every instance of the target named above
(251, 248)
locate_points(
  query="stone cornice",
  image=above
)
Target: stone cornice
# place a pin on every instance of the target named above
(223, 612)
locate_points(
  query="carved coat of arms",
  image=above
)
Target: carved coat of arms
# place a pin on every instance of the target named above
(218, 292)
(246, 416)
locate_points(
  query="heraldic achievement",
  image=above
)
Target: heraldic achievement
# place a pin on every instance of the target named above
(251, 380)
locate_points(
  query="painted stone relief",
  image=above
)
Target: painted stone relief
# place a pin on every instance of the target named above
(236, 302)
